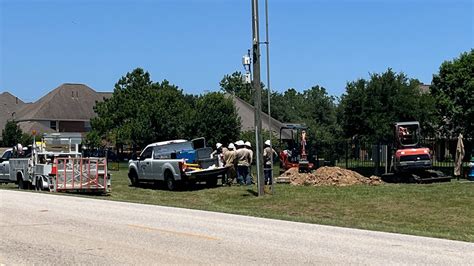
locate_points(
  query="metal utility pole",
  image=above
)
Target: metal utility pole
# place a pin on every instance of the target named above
(258, 97)
(267, 42)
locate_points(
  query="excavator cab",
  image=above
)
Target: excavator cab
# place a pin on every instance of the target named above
(294, 148)
(407, 134)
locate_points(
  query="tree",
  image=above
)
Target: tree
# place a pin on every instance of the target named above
(369, 108)
(125, 115)
(216, 119)
(93, 140)
(170, 113)
(453, 91)
(235, 85)
(141, 111)
(26, 139)
(12, 135)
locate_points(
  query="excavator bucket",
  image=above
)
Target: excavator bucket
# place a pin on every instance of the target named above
(303, 166)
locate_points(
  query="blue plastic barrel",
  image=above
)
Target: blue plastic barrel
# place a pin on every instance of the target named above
(470, 176)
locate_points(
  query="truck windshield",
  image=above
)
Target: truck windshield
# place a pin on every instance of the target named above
(7, 155)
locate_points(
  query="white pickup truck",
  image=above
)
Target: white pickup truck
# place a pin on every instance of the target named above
(5, 166)
(176, 161)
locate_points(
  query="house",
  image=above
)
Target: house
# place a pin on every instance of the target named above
(68, 108)
(246, 113)
(424, 88)
(9, 106)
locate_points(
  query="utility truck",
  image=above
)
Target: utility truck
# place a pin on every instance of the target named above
(175, 162)
(55, 164)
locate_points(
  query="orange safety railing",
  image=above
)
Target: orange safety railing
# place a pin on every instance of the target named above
(80, 174)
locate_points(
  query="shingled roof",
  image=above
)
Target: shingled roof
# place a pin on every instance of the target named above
(9, 106)
(69, 101)
(246, 113)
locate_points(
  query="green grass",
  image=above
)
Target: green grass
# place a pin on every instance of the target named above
(443, 210)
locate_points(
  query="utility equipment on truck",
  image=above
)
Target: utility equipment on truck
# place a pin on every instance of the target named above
(59, 169)
(410, 160)
(176, 161)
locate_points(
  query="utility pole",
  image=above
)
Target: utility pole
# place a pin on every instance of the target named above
(267, 42)
(258, 98)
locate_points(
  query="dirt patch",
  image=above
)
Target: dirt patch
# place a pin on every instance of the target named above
(329, 176)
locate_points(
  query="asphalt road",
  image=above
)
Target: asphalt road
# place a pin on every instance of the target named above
(54, 229)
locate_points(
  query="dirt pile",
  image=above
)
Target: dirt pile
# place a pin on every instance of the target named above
(329, 176)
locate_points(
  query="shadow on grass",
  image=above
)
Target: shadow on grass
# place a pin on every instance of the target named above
(84, 193)
(249, 193)
(161, 185)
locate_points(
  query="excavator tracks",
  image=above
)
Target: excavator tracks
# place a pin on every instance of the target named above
(421, 177)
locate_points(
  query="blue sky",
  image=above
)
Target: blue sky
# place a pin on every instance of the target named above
(193, 44)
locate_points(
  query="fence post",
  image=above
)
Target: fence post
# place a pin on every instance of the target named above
(377, 159)
(347, 152)
(388, 155)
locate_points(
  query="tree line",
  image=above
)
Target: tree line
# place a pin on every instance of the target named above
(369, 107)
(142, 111)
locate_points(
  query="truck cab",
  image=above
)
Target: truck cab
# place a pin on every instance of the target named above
(5, 166)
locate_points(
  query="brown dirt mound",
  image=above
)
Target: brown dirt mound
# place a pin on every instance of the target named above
(329, 176)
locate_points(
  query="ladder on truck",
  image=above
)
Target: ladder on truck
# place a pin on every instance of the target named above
(81, 175)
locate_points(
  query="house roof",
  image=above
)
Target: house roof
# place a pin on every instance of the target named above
(424, 88)
(73, 102)
(9, 106)
(29, 126)
(246, 113)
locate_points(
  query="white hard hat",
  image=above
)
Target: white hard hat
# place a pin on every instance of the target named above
(267, 142)
(231, 146)
(248, 144)
(218, 145)
(240, 143)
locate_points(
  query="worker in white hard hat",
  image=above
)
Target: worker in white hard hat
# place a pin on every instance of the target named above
(268, 154)
(230, 163)
(243, 159)
(218, 153)
(248, 146)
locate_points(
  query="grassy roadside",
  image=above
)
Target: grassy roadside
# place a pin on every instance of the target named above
(444, 210)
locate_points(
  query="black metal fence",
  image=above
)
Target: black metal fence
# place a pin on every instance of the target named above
(369, 158)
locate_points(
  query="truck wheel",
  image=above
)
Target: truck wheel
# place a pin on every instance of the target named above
(21, 183)
(133, 178)
(39, 184)
(170, 182)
